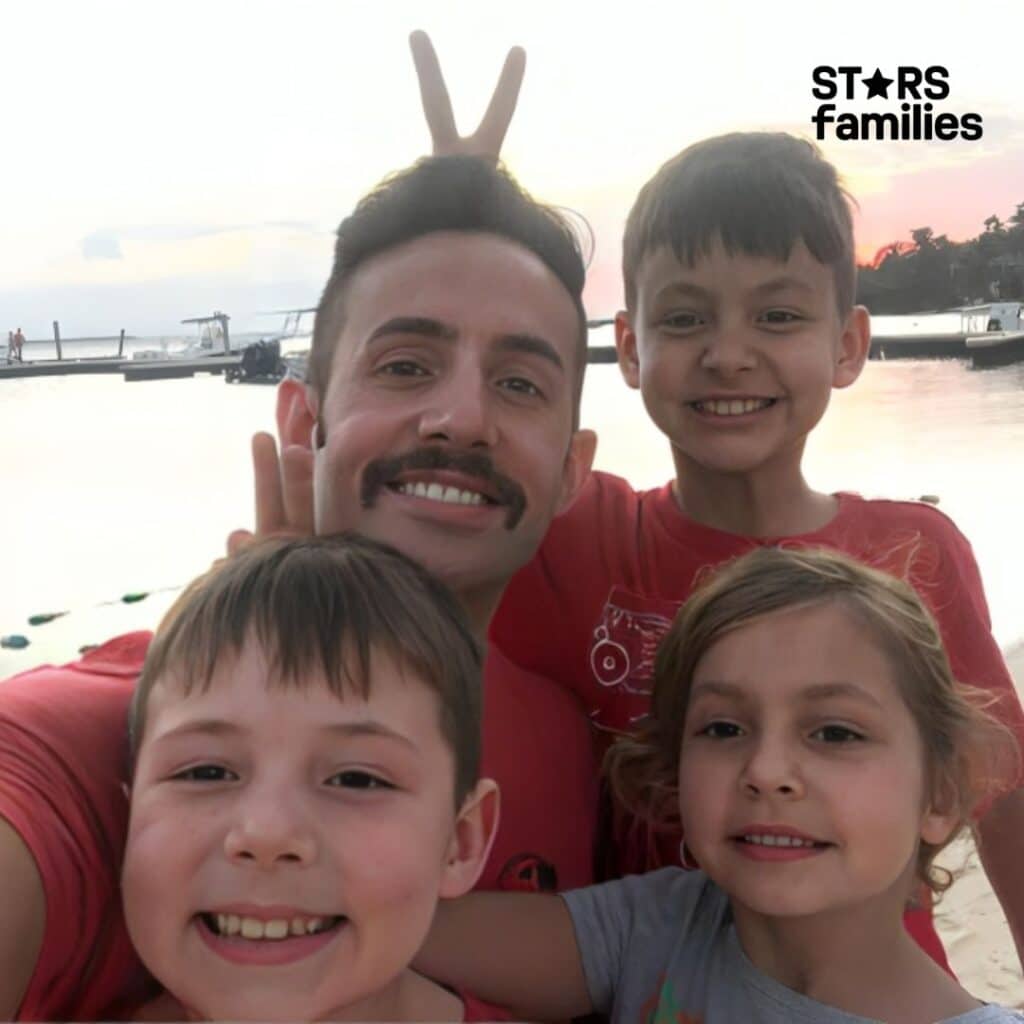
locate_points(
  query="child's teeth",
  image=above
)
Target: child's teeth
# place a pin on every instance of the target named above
(759, 840)
(278, 928)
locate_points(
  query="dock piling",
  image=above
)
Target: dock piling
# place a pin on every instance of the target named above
(120, 345)
(56, 337)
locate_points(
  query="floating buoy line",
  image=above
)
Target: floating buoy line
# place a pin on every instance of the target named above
(18, 641)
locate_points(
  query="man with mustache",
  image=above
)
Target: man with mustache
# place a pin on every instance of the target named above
(440, 415)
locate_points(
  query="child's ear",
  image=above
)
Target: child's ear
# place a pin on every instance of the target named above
(943, 814)
(576, 470)
(476, 825)
(296, 413)
(854, 346)
(625, 344)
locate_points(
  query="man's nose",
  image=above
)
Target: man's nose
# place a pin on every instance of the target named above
(461, 411)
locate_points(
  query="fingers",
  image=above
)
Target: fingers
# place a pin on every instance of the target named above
(494, 126)
(270, 513)
(238, 539)
(297, 485)
(437, 104)
(487, 140)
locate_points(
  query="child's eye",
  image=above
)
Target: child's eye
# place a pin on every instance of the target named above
(721, 730)
(354, 778)
(781, 316)
(206, 773)
(680, 321)
(837, 734)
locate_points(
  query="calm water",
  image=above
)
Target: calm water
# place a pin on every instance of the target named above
(111, 487)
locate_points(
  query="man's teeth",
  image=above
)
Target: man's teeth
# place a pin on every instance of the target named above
(733, 406)
(759, 840)
(437, 492)
(277, 928)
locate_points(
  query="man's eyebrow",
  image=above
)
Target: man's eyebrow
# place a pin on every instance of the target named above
(530, 344)
(423, 326)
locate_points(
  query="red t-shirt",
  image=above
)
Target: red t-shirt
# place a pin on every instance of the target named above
(539, 747)
(63, 759)
(591, 608)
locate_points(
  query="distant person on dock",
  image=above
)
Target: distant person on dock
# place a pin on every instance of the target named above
(19, 341)
(305, 791)
(441, 416)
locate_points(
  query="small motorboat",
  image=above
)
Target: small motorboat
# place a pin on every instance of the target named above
(1002, 342)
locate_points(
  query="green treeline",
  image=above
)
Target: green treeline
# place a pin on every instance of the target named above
(931, 272)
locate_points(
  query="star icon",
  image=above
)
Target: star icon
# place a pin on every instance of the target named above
(878, 85)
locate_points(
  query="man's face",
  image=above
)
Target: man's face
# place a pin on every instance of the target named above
(447, 418)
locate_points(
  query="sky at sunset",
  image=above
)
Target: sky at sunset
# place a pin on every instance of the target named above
(161, 160)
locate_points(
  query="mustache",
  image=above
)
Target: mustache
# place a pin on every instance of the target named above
(500, 488)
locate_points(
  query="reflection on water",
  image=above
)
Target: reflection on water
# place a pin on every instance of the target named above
(112, 487)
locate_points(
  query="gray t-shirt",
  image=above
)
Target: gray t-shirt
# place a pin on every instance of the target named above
(661, 949)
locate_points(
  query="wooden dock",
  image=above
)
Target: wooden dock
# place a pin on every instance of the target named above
(131, 369)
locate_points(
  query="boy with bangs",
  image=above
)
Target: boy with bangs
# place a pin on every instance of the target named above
(306, 747)
(738, 262)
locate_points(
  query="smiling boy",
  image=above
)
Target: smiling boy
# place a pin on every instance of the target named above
(306, 786)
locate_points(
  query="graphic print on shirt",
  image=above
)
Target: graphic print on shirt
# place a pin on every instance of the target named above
(625, 641)
(663, 1008)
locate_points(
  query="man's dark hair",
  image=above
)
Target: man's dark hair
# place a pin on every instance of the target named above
(759, 192)
(324, 606)
(450, 193)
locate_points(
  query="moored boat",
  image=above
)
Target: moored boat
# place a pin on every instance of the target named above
(1002, 342)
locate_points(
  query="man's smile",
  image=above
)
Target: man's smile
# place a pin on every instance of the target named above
(457, 479)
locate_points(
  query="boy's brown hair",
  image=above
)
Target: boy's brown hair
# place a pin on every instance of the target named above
(759, 192)
(968, 755)
(447, 193)
(324, 605)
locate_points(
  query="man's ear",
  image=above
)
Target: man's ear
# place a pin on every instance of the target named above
(576, 470)
(625, 345)
(854, 346)
(297, 411)
(476, 825)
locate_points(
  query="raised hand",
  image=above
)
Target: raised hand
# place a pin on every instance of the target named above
(284, 492)
(437, 105)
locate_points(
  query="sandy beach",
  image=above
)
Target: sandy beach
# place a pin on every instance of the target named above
(970, 920)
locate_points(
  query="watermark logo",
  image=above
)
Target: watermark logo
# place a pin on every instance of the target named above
(915, 119)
